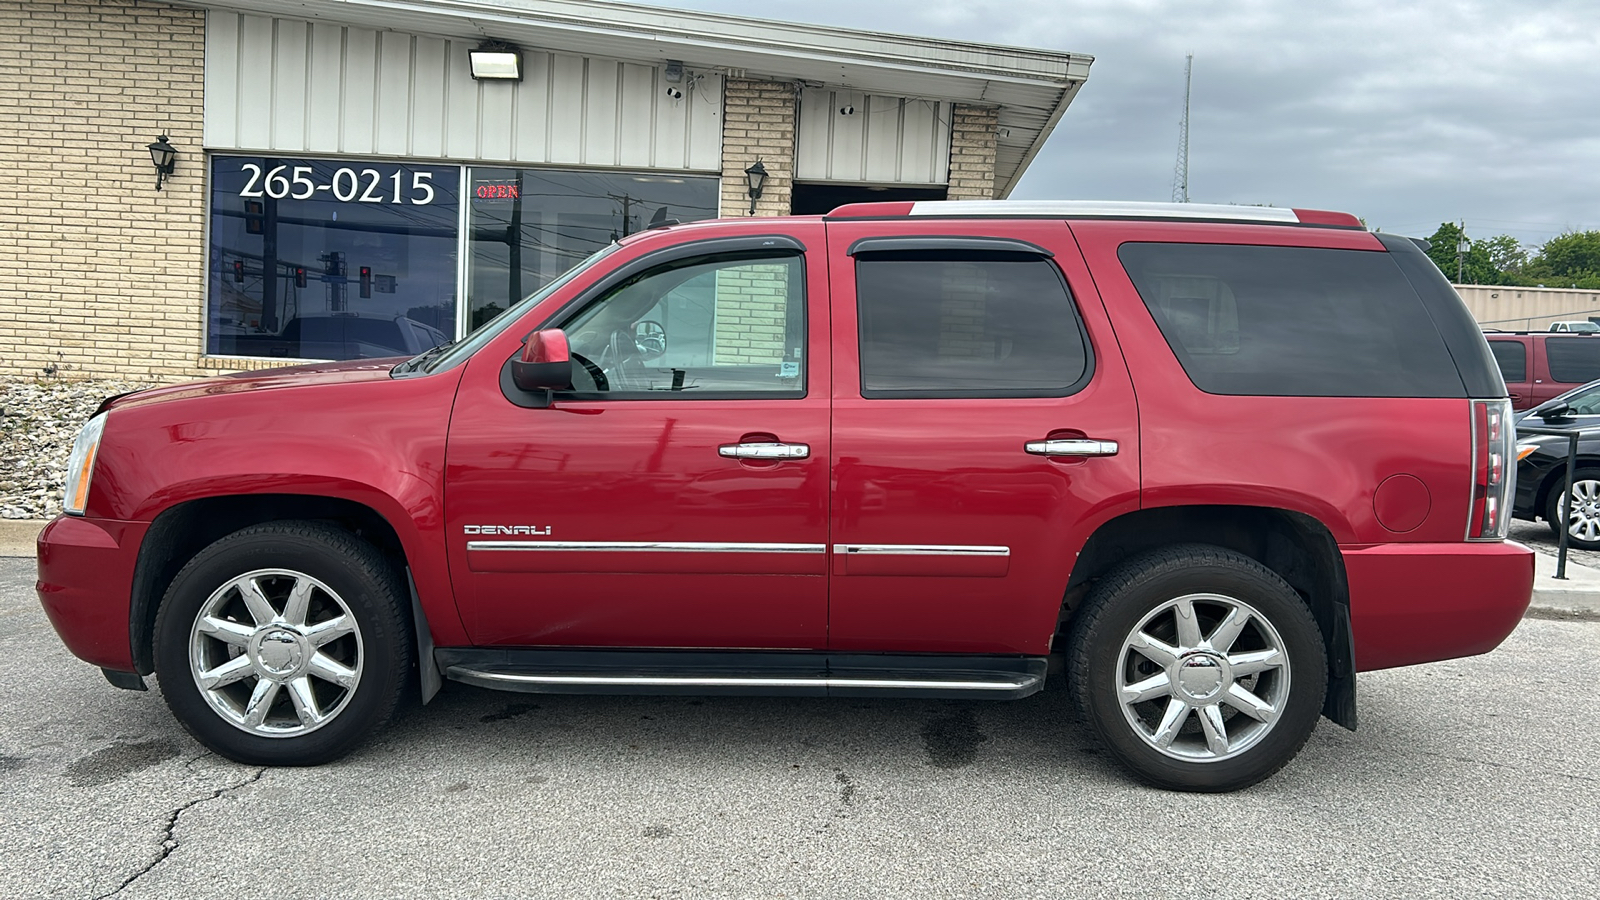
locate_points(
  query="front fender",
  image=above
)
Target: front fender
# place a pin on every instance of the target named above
(379, 443)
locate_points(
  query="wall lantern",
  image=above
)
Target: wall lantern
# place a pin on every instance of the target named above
(757, 173)
(496, 61)
(165, 158)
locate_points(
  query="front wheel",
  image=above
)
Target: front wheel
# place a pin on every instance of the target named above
(283, 644)
(1200, 668)
(1583, 524)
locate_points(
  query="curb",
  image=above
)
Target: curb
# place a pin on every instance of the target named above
(1577, 595)
(17, 536)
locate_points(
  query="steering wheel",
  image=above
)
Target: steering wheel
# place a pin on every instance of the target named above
(595, 373)
(651, 338)
(619, 359)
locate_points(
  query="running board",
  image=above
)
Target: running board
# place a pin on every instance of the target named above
(744, 673)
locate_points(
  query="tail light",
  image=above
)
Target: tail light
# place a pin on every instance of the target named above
(1493, 474)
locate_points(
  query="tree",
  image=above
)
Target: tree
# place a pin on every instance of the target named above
(1477, 267)
(1568, 260)
(1506, 254)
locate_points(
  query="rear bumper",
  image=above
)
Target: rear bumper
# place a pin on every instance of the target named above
(1417, 603)
(86, 585)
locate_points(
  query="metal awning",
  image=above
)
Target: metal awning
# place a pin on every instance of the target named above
(1031, 88)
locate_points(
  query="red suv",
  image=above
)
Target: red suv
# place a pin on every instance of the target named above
(1540, 365)
(1205, 462)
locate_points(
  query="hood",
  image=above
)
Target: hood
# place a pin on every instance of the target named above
(349, 372)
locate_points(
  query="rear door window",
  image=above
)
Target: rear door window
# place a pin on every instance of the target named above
(1573, 360)
(967, 324)
(1512, 358)
(1292, 321)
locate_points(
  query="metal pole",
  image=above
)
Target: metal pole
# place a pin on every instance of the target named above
(1566, 506)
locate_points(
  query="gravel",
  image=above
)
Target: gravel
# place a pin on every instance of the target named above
(39, 420)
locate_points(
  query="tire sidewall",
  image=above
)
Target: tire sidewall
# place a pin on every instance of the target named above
(1552, 513)
(1120, 612)
(338, 561)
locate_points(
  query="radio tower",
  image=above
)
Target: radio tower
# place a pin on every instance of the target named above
(1180, 172)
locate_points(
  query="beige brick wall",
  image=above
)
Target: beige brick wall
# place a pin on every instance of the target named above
(100, 274)
(758, 119)
(751, 304)
(972, 151)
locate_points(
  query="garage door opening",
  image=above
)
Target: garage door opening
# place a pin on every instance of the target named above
(820, 199)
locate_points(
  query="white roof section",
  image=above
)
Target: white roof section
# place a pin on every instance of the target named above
(1104, 209)
(1031, 88)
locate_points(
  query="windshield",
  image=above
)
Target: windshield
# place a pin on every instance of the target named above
(492, 328)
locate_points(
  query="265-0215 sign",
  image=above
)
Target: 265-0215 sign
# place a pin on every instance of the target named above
(347, 184)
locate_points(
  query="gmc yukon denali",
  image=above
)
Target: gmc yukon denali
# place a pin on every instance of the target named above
(1202, 463)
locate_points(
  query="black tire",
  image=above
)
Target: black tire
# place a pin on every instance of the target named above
(1143, 587)
(353, 577)
(1552, 506)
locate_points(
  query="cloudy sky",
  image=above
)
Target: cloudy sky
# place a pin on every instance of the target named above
(1406, 113)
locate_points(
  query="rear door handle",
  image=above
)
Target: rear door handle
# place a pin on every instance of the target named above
(765, 451)
(1071, 447)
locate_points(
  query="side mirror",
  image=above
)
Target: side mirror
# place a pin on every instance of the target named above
(1554, 411)
(545, 363)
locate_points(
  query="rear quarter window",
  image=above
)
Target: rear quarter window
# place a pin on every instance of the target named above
(1292, 321)
(1573, 360)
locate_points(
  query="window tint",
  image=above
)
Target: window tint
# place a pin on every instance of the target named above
(981, 325)
(1512, 358)
(697, 327)
(1292, 321)
(1573, 359)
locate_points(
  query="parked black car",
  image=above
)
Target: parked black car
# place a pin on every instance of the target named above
(1542, 465)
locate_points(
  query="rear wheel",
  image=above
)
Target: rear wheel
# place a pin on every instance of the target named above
(1201, 669)
(1583, 524)
(283, 644)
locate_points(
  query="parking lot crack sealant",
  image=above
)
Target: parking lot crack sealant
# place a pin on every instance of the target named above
(169, 841)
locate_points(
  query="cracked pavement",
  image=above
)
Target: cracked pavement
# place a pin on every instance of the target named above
(1470, 777)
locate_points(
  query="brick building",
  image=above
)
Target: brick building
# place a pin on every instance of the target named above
(346, 185)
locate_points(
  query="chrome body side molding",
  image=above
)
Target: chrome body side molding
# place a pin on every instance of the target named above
(646, 547)
(921, 550)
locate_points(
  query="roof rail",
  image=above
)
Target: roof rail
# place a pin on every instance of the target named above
(1097, 209)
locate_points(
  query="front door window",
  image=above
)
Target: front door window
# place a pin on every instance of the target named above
(704, 327)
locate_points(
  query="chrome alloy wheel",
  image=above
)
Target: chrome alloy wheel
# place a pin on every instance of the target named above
(1583, 520)
(276, 653)
(1203, 678)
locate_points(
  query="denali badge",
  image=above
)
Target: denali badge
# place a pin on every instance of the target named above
(507, 529)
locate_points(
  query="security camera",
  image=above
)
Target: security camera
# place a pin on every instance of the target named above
(847, 110)
(674, 93)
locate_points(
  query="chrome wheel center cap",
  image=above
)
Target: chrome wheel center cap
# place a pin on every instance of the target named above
(1201, 676)
(278, 652)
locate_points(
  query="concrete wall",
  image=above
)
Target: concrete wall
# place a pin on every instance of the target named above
(1527, 309)
(100, 273)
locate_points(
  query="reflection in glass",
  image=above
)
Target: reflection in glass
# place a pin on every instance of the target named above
(528, 226)
(711, 326)
(330, 259)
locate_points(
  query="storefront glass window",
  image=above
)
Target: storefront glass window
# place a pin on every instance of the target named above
(331, 259)
(530, 225)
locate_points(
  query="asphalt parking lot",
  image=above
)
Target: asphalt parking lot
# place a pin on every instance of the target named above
(1471, 777)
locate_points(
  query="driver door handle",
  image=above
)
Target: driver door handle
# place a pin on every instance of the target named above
(765, 451)
(1071, 447)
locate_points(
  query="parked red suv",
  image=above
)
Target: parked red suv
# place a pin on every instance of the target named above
(1540, 365)
(1213, 460)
